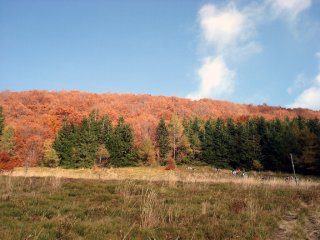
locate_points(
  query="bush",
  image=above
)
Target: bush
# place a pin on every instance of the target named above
(185, 160)
(7, 162)
(171, 165)
(50, 158)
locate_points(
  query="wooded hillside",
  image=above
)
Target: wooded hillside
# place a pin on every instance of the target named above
(37, 115)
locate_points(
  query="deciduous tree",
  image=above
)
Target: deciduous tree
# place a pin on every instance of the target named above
(146, 152)
(102, 154)
(50, 156)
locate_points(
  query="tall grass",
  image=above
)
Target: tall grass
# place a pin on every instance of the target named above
(143, 203)
(58, 208)
(201, 175)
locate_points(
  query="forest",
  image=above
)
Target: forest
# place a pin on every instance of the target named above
(253, 143)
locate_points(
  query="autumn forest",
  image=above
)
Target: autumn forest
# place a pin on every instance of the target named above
(82, 130)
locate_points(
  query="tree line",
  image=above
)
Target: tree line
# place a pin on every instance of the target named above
(251, 144)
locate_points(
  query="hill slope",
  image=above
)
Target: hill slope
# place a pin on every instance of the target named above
(37, 115)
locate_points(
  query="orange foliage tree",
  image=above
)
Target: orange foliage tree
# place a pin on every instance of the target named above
(37, 115)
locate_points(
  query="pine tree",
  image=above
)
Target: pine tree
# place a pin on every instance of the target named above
(208, 149)
(263, 130)
(220, 144)
(64, 144)
(122, 153)
(162, 140)
(309, 161)
(106, 131)
(247, 146)
(87, 143)
(194, 133)
(215, 144)
(231, 143)
(7, 141)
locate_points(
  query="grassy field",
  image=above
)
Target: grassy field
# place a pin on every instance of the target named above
(141, 203)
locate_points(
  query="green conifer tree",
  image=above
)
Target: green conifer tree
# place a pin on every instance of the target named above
(7, 141)
(64, 144)
(122, 150)
(162, 141)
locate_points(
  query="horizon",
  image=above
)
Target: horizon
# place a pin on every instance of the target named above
(245, 52)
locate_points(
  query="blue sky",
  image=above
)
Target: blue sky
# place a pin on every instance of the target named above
(265, 51)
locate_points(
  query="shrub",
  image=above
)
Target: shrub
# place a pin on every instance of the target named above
(171, 165)
(7, 162)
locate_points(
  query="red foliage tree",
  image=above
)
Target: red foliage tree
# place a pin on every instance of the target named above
(37, 115)
(7, 162)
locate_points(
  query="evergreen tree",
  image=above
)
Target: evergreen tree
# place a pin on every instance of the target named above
(193, 129)
(123, 153)
(231, 143)
(106, 131)
(254, 142)
(263, 130)
(7, 141)
(208, 147)
(162, 136)
(64, 144)
(87, 143)
(247, 145)
(220, 145)
(309, 162)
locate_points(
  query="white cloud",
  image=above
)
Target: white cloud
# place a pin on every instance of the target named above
(309, 98)
(230, 32)
(215, 79)
(227, 30)
(289, 8)
(223, 27)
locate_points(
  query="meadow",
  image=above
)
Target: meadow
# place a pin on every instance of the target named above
(150, 203)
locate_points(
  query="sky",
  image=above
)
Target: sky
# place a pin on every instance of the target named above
(256, 52)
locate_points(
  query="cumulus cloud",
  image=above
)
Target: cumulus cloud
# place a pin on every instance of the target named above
(227, 31)
(223, 27)
(230, 32)
(309, 98)
(215, 79)
(289, 8)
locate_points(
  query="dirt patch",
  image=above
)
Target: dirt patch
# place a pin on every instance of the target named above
(306, 226)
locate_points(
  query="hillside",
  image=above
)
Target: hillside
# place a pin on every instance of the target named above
(37, 115)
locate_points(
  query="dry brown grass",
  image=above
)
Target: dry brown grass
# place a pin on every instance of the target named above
(58, 207)
(200, 175)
